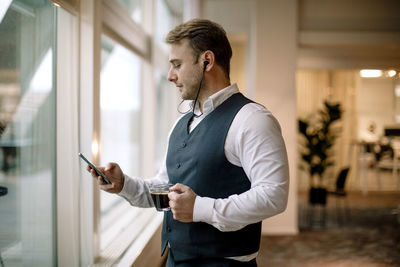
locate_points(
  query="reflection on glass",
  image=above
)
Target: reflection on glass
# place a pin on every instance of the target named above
(134, 8)
(27, 134)
(120, 104)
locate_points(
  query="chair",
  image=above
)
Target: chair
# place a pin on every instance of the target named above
(341, 195)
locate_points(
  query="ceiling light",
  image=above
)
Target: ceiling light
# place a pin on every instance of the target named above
(391, 73)
(370, 73)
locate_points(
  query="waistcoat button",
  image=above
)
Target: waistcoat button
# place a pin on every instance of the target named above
(178, 165)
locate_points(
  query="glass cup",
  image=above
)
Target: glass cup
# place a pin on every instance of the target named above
(159, 194)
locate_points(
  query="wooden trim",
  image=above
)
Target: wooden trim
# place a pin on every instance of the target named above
(118, 25)
(150, 254)
(96, 120)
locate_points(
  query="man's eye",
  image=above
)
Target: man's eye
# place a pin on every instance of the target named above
(177, 66)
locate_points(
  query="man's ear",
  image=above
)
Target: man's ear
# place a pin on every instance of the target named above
(208, 56)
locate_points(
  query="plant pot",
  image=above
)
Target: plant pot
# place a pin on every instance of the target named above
(317, 195)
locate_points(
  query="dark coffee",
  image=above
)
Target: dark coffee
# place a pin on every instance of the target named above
(160, 199)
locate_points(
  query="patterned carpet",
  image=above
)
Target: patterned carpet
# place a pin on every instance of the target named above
(370, 236)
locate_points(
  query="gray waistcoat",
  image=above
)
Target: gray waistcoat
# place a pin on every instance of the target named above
(197, 159)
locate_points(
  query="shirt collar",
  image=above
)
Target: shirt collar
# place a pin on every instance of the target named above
(217, 99)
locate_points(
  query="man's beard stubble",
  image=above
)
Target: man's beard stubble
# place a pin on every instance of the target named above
(191, 93)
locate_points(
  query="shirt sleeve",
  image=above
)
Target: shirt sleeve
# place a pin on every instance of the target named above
(254, 142)
(136, 189)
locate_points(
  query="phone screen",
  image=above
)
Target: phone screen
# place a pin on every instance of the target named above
(94, 168)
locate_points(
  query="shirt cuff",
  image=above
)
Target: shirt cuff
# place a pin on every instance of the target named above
(128, 183)
(203, 209)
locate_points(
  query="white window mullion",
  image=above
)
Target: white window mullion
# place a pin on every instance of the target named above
(68, 178)
(90, 30)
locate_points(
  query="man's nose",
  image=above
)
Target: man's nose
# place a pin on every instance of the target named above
(171, 76)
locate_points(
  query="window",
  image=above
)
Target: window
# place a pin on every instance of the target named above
(168, 15)
(41, 131)
(166, 112)
(134, 8)
(120, 119)
(27, 133)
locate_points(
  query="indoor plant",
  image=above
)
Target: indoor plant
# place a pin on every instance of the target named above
(319, 137)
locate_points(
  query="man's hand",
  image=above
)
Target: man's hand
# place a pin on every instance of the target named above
(114, 173)
(181, 201)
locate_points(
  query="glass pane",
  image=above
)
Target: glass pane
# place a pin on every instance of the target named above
(27, 133)
(168, 15)
(166, 113)
(134, 8)
(120, 104)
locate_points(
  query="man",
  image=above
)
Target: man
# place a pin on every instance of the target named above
(227, 159)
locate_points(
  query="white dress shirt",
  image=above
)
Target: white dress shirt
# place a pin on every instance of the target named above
(254, 142)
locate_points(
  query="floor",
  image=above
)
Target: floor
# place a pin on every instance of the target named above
(370, 236)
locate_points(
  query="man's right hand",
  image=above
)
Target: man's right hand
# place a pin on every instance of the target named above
(114, 173)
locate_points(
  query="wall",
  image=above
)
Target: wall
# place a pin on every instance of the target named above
(275, 68)
(267, 29)
(237, 19)
(238, 63)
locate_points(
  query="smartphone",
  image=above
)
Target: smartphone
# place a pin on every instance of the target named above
(98, 172)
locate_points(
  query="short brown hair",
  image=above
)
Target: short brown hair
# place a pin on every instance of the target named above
(204, 35)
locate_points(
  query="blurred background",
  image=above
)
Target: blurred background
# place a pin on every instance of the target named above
(91, 76)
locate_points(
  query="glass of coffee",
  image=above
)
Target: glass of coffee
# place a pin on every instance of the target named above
(159, 194)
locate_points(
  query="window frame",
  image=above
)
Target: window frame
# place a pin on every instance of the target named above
(117, 24)
(80, 25)
(68, 177)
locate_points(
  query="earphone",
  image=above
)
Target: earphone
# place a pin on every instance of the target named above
(198, 91)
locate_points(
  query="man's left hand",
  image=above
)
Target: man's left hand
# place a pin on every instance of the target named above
(181, 201)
